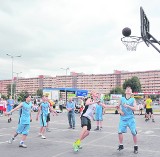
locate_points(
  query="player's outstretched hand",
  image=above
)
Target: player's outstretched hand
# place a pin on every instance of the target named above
(6, 113)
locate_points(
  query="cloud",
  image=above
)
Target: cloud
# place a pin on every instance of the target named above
(82, 35)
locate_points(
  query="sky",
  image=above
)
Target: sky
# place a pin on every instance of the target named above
(82, 35)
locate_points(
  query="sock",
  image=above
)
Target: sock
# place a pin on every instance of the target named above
(21, 142)
(78, 142)
(15, 135)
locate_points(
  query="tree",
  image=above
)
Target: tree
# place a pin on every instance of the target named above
(21, 95)
(117, 90)
(134, 83)
(4, 97)
(106, 97)
(40, 92)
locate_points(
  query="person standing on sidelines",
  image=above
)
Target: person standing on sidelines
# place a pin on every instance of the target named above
(10, 104)
(70, 106)
(24, 120)
(1, 107)
(149, 110)
(86, 117)
(126, 106)
(99, 116)
(43, 111)
(61, 104)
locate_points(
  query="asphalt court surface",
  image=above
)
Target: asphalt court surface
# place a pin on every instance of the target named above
(98, 144)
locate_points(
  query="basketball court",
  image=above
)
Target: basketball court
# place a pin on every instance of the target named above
(99, 143)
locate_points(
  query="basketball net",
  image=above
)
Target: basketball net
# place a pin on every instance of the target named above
(131, 42)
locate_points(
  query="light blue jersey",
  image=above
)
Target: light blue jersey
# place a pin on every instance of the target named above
(98, 113)
(10, 103)
(44, 113)
(25, 113)
(44, 108)
(128, 113)
(127, 120)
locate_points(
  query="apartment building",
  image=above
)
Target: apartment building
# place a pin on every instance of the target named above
(150, 81)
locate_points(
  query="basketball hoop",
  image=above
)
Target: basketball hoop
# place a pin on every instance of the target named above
(131, 42)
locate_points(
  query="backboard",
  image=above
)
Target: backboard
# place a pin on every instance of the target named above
(145, 31)
(145, 25)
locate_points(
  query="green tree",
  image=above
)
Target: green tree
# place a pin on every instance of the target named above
(117, 90)
(4, 97)
(21, 96)
(40, 92)
(106, 97)
(134, 83)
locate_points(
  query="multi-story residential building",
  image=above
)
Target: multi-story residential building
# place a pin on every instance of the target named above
(150, 81)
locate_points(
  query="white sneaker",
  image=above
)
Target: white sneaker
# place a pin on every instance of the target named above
(43, 137)
(39, 134)
(10, 141)
(23, 145)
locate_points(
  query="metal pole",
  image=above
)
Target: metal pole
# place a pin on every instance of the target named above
(17, 74)
(65, 83)
(12, 57)
(12, 78)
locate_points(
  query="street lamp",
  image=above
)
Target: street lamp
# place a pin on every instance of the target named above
(12, 57)
(66, 69)
(17, 74)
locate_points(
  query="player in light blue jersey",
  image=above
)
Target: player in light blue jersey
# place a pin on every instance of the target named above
(99, 115)
(43, 111)
(126, 107)
(10, 104)
(24, 120)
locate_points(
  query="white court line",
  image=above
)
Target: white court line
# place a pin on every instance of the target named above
(90, 144)
(4, 134)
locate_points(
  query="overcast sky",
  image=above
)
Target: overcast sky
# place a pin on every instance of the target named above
(84, 35)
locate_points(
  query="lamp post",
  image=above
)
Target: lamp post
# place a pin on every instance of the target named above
(66, 69)
(12, 57)
(17, 76)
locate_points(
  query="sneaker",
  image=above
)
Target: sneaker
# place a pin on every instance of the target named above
(43, 137)
(120, 147)
(39, 134)
(23, 145)
(153, 120)
(75, 147)
(79, 147)
(147, 120)
(9, 121)
(96, 129)
(73, 128)
(10, 140)
(135, 149)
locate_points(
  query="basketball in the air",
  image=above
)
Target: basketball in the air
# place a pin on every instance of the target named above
(126, 31)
